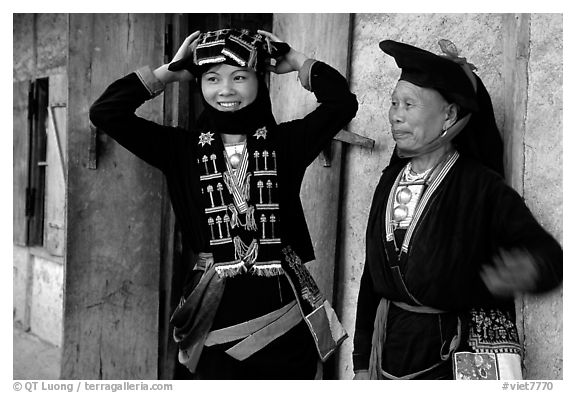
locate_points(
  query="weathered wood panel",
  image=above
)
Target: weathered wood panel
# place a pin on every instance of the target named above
(326, 39)
(20, 146)
(113, 225)
(516, 54)
(176, 112)
(24, 48)
(55, 195)
(51, 42)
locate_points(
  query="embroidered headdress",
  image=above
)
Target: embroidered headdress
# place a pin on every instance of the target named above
(239, 47)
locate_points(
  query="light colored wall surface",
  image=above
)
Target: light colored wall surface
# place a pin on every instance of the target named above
(374, 74)
(46, 301)
(543, 186)
(20, 271)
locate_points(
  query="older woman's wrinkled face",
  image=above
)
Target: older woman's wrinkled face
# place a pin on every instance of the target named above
(416, 115)
(229, 88)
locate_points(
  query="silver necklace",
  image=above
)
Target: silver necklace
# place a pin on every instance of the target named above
(234, 152)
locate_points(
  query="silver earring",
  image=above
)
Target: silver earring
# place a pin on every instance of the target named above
(444, 131)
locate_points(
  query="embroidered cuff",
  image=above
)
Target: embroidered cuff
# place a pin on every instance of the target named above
(152, 84)
(305, 75)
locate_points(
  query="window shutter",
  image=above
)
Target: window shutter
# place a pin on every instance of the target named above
(38, 104)
(20, 155)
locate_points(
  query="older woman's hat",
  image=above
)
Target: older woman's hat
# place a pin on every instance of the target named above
(239, 47)
(428, 70)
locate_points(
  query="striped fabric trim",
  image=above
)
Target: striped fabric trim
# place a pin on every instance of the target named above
(241, 42)
(270, 241)
(238, 179)
(235, 57)
(220, 241)
(390, 208)
(210, 177)
(426, 197)
(265, 173)
(267, 206)
(212, 60)
(210, 44)
(216, 209)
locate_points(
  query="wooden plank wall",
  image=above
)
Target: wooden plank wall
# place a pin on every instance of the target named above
(176, 113)
(326, 38)
(516, 55)
(113, 213)
(20, 146)
(55, 197)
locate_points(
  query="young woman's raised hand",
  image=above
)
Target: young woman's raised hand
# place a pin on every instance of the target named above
(291, 61)
(186, 50)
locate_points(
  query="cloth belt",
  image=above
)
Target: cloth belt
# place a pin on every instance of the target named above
(193, 317)
(375, 370)
(258, 332)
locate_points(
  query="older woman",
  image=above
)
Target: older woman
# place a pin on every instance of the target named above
(448, 243)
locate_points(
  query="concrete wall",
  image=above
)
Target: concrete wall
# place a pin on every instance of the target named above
(481, 39)
(40, 48)
(542, 323)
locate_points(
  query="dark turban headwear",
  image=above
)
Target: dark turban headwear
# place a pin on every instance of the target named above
(476, 134)
(238, 47)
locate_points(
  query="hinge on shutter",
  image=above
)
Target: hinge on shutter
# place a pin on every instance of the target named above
(29, 208)
(168, 43)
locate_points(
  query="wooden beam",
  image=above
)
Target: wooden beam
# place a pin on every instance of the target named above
(111, 310)
(354, 139)
(21, 145)
(516, 32)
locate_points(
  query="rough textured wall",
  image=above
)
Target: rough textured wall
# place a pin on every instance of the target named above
(40, 45)
(542, 316)
(113, 212)
(46, 300)
(20, 272)
(374, 74)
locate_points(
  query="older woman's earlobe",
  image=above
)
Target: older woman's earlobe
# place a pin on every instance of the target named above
(451, 117)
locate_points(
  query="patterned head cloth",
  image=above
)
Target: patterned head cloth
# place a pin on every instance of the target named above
(239, 47)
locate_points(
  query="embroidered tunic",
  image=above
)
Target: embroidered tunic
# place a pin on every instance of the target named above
(458, 227)
(175, 150)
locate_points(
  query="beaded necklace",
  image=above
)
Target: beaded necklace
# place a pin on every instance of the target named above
(410, 188)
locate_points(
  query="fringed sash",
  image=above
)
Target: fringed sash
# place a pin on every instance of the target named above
(241, 206)
(193, 317)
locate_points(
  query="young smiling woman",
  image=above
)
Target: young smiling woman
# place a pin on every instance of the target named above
(234, 180)
(229, 88)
